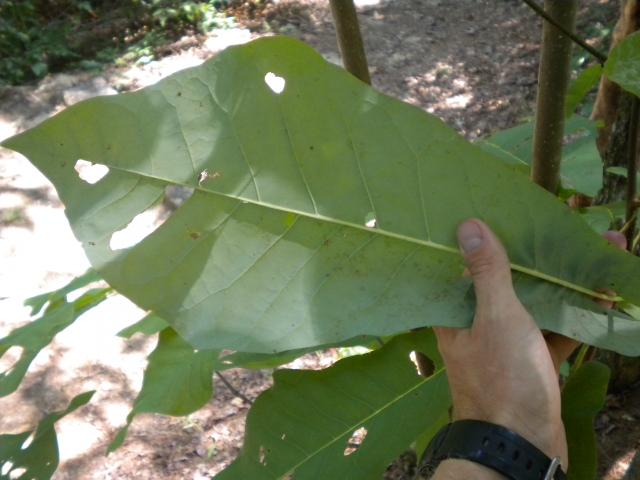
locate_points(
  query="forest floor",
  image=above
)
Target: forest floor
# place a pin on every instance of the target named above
(471, 62)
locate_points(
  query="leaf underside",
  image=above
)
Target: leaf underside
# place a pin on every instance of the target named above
(319, 213)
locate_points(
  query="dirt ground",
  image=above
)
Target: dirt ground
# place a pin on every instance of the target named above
(471, 62)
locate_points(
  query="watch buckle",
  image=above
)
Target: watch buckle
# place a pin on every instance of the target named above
(553, 468)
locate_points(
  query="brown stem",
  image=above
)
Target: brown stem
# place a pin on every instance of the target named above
(569, 33)
(354, 58)
(632, 173)
(553, 79)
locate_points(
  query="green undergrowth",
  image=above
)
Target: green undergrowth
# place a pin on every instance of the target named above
(42, 36)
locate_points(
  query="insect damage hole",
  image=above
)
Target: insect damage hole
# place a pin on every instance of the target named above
(142, 225)
(370, 220)
(18, 473)
(90, 172)
(275, 83)
(355, 441)
(28, 441)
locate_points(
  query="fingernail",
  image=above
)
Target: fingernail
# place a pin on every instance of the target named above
(469, 236)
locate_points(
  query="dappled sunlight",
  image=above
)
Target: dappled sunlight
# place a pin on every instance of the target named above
(620, 466)
(447, 66)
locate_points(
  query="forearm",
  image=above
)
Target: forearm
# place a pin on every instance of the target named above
(462, 469)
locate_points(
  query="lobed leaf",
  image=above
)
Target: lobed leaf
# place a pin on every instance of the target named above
(380, 393)
(322, 210)
(38, 302)
(148, 325)
(37, 334)
(35, 453)
(178, 380)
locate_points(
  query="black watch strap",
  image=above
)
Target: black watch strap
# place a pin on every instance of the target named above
(494, 447)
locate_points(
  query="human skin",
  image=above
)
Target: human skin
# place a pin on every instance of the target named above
(503, 369)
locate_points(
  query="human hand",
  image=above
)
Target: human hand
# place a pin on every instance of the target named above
(503, 369)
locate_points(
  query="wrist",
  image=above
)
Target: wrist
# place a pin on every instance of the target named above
(455, 469)
(490, 446)
(548, 435)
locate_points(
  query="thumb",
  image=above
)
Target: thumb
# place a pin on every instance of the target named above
(488, 265)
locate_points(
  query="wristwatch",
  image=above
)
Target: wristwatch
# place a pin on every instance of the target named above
(493, 446)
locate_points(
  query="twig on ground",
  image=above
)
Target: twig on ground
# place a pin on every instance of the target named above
(233, 389)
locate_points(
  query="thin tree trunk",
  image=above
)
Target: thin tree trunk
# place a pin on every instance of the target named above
(350, 42)
(618, 112)
(553, 79)
(354, 60)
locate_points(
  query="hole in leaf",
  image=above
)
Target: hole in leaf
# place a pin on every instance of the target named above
(90, 172)
(9, 359)
(355, 441)
(274, 82)
(28, 441)
(18, 473)
(6, 468)
(370, 220)
(139, 228)
(262, 455)
(413, 356)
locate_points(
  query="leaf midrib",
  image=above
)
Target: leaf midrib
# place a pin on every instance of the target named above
(398, 236)
(361, 423)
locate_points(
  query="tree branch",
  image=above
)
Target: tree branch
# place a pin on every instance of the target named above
(540, 12)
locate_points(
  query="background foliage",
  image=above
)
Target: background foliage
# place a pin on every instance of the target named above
(41, 36)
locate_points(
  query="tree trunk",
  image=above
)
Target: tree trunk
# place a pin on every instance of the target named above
(354, 58)
(553, 79)
(615, 109)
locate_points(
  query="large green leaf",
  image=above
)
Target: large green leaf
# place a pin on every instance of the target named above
(582, 398)
(623, 64)
(320, 213)
(301, 427)
(581, 167)
(37, 334)
(38, 456)
(177, 381)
